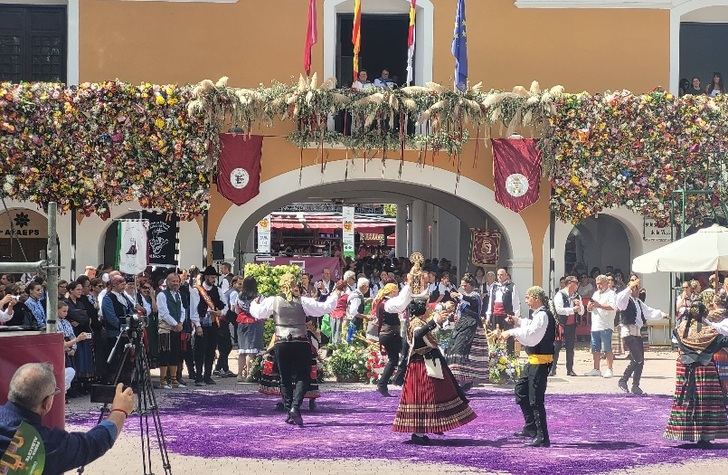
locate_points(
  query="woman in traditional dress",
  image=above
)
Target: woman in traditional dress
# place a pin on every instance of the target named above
(78, 317)
(250, 330)
(432, 401)
(717, 316)
(468, 353)
(699, 409)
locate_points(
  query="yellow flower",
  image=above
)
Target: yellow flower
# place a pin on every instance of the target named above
(159, 100)
(575, 180)
(159, 123)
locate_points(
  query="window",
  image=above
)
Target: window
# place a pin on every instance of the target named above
(32, 43)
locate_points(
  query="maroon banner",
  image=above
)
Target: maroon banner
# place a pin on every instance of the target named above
(517, 170)
(238, 171)
(484, 246)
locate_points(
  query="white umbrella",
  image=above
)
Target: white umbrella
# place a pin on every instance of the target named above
(704, 251)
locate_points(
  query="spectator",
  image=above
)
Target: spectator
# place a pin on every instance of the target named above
(603, 310)
(695, 87)
(684, 87)
(568, 306)
(362, 83)
(384, 81)
(585, 289)
(716, 85)
(30, 397)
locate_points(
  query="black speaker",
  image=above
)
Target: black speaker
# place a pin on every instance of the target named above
(218, 251)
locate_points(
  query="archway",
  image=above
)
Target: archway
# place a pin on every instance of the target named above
(597, 242)
(469, 201)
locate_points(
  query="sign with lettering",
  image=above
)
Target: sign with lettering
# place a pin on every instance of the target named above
(162, 237)
(23, 224)
(264, 235)
(653, 232)
(347, 214)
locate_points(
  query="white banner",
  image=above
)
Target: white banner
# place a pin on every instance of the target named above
(264, 235)
(347, 215)
(131, 250)
(653, 232)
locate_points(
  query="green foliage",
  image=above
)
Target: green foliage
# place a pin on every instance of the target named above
(348, 362)
(267, 276)
(390, 210)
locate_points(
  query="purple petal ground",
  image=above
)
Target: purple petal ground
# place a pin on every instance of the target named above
(590, 433)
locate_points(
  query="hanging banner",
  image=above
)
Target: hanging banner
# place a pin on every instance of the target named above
(238, 170)
(264, 235)
(517, 170)
(347, 215)
(131, 246)
(484, 246)
(163, 238)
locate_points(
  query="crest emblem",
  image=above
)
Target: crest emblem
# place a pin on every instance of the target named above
(239, 178)
(517, 185)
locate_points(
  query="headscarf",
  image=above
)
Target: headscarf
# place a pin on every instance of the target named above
(286, 282)
(384, 292)
(693, 333)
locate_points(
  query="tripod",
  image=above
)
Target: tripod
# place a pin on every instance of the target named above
(136, 355)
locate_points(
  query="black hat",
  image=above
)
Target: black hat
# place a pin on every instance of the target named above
(209, 270)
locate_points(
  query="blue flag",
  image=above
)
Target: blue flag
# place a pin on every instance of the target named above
(460, 48)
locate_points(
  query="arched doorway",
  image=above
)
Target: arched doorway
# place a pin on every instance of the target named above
(23, 235)
(597, 242)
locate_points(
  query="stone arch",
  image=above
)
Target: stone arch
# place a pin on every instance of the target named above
(441, 183)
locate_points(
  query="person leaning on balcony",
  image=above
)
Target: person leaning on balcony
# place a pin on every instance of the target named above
(362, 83)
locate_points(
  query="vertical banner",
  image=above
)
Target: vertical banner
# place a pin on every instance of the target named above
(411, 33)
(163, 238)
(347, 214)
(131, 246)
(311, 36)
(238, 170)
(356, 37)
(517, 172)
(264, 235)
(460, 48)
(484, 246)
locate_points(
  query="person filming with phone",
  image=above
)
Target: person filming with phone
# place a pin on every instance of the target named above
(30, 397)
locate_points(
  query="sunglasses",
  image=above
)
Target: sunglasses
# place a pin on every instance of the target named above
(56, 392)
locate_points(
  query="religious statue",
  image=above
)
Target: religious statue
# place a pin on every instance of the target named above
(416, 272)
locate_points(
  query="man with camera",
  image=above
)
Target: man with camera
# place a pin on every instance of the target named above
(115, 309)
(31, 393)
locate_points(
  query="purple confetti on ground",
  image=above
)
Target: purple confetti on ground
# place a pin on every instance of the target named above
(590, 433)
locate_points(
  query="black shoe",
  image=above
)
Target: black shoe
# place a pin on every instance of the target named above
(383, 391)
(295, 416)
(525, 433)
(420, 440)
(216, 372)
(623, 386)
(280, 407)
(571, 373)
(466, 387)
(637, 391)
(539, 442)
(199, 383)
(552, 372)
(311, 404)
(703, 444)
(210, 381)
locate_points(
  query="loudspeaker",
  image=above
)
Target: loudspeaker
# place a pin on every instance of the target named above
(218, 251)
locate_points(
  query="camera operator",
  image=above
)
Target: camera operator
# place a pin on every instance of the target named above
(30, 397)
(114, 310)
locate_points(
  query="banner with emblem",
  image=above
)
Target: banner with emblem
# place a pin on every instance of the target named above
(347, 215)
(484, 246)
(264, 235)
(517, 171)
(238, 170)
(132, 253)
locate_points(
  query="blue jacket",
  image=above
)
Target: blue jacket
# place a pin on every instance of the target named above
(64, 450)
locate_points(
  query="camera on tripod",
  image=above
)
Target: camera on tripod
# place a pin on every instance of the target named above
(129, 343)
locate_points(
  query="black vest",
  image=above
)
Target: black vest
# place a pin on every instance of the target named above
(388, 322)
(628, 316)
(202, 308)
(507, 297)
(546, 345)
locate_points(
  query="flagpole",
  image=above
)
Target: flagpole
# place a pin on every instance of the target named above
(73, 243)
(205, 230)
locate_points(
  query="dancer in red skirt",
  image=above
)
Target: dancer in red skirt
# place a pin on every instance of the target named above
(699, 406)
(431, 401)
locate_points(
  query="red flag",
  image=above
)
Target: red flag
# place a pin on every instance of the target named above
(517, 170)
(356, 37)
(238, 170)
(311, 36)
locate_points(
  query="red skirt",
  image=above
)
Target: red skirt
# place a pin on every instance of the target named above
(430, 405)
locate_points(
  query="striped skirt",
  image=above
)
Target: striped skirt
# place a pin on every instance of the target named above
(430, 405)
(472, 368)
(721, 363)
(270, 381)
(699, 412)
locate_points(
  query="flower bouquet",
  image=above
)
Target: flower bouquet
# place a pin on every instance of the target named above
(502, 368)
(375, 363)
(348, 363)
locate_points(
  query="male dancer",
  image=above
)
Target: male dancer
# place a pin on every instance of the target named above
(206, 307)
(634, 315)
(536, 333)
(292, 347)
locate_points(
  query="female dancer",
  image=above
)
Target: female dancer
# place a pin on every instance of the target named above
(431, 401)
(698, 410)
(467, 355)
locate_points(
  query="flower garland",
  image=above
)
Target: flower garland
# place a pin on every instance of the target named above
(99, 144)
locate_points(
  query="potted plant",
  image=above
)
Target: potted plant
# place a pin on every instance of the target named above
(348, 363)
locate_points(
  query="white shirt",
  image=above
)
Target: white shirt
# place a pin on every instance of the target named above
(399, 303)
(384, 83)
(359, 86)
(498, 297)
(233, 301)
(101, 296)
(531, 331)
(163, 309)
(224, 286)
(352, 307)
(644, 312)
(602, 319)
(312, 307)
(5, 315)
(721, 327)
(195, 302)
(566, 310)
(135, 301)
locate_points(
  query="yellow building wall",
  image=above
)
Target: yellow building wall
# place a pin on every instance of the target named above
(255, 42)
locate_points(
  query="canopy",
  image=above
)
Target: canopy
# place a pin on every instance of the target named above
(704, 251)
(330, 221)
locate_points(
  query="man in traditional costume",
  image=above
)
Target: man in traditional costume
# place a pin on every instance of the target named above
(467, 354)
(431, 401)
(292, 346)
(206, 306)
(699, 407)
(536, 333)
(568, 307)
(502, 303)
(387, 306)
(172, 314)
(634, 315)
